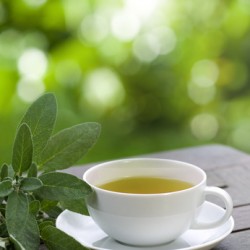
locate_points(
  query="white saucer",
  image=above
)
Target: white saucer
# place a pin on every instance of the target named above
(85, 231)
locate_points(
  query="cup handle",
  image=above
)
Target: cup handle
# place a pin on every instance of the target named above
(225, 197)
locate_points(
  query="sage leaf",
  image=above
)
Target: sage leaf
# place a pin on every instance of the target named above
(30, 184)
(50, 208)
(32, 172)
(17, 244)
(22, 150)
(11, 172)
(54, 212)
(4, 171)
(68, 146)
(78, 206)
(56, 239)
(61, 186)
(21, 225)
(41, 117)
(48, 205)
(5, 188)
(45, 223)
(34, 207)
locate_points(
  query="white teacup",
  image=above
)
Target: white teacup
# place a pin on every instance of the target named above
(150, 219)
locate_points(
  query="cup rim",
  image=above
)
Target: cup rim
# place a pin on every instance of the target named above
(94, 187)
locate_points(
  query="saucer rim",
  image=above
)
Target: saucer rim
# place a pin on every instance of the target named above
(202, 246)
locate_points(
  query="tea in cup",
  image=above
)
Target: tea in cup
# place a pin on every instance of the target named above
(149, 201)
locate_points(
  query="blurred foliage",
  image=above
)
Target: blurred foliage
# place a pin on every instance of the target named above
(156, 74)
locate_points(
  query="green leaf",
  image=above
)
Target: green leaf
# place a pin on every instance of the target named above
(34, 207)
(48, 205)
(46, 223)
(30, 184)
(62, 186)
(32, 172)
(22, 150)
(41, 117)
(11, 172)
(56, 239)
(5, 188)
(3, 171)
(21, 225)
(78, 206)
(54, 212)
(17, 244)
(68, 146)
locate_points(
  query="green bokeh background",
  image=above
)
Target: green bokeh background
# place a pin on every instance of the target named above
(157, 75)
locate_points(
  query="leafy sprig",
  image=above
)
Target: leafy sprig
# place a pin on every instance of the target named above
(32, 192)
